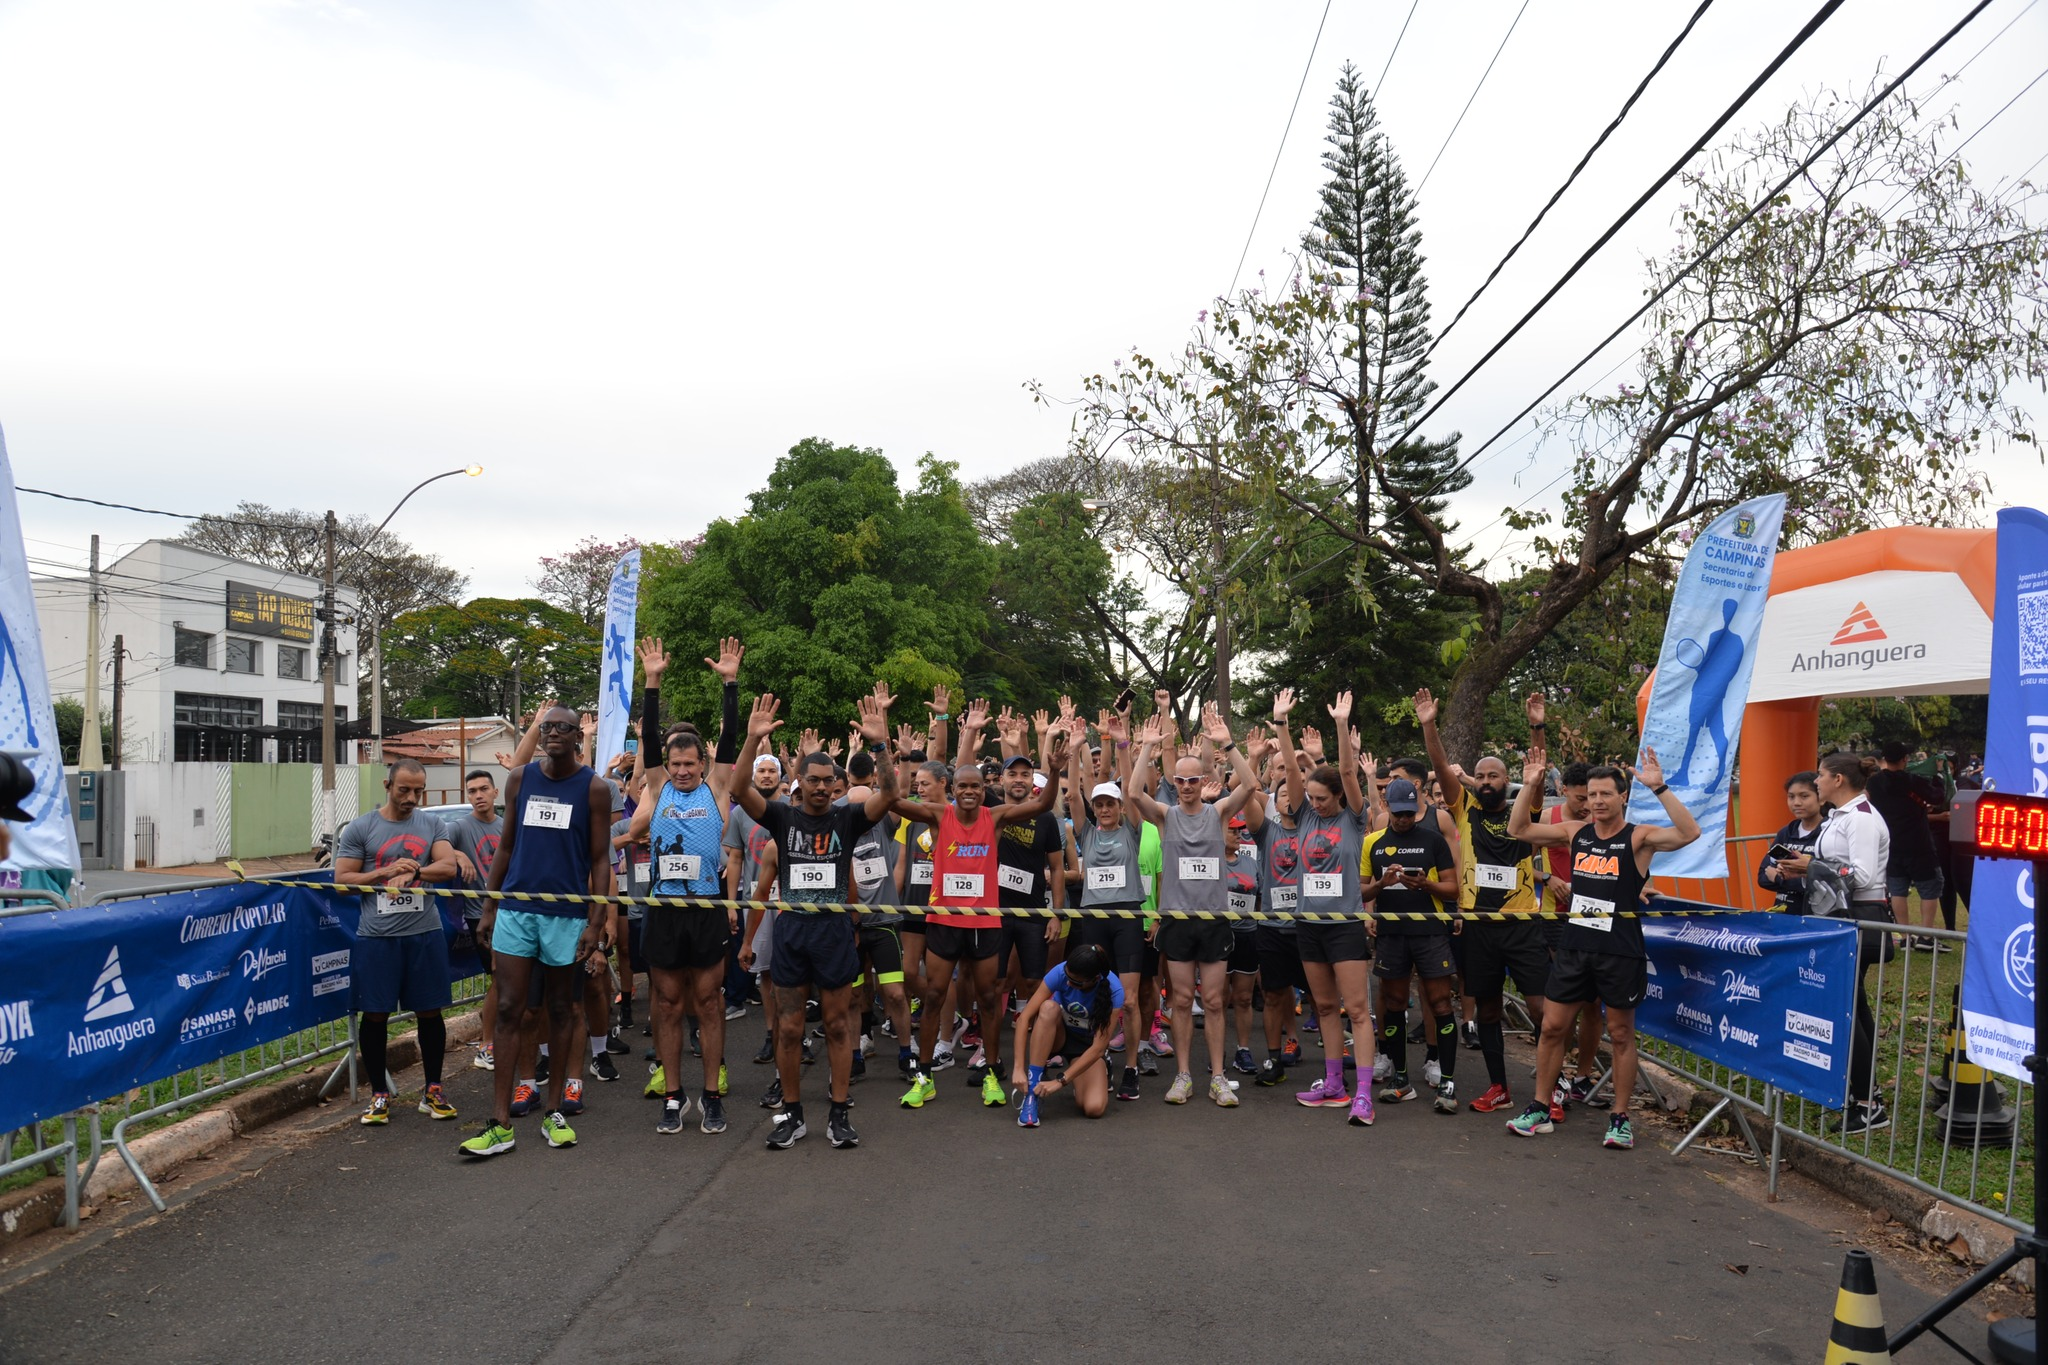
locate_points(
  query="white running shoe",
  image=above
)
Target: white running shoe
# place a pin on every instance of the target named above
(1432, 1075)
(1382, 1067)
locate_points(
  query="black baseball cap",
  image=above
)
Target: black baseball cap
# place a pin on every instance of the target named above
(1401, 798)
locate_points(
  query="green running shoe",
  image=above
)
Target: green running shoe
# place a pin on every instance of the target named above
(496, 1138)
(724, 1083)
(557, 1131)
(1531, 1121)
(921, 1090)
(992, 1093)
(657, 1083)
(1620, 1135)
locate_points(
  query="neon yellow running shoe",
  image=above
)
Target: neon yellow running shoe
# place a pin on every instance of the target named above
(724, 1082)
(992, 1093)
(921, 1090)
(557, 1131)
(657, 1084)
(379, 1112)
(435, 1104)
(495, 1138)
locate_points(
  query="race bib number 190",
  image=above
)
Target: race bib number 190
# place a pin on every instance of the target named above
(813, 876)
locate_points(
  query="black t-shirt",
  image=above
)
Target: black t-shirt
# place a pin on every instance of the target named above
(816, 850)
(1904, 799)
(1422, 850)
(1021, 851)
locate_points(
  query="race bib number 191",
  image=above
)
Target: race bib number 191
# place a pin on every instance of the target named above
(544, 812)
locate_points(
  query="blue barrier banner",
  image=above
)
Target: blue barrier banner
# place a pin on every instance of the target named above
(98, 1000)
(1768, 995)
(1998, 968)
(1694, 720)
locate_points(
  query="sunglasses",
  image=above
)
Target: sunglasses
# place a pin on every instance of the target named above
(1187, 781)
(560, 727)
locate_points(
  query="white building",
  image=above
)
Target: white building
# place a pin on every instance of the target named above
(221, 669)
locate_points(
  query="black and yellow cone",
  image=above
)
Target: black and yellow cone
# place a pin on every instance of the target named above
(1857, 1337)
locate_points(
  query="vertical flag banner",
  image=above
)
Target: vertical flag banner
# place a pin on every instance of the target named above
(46, 848)
(1694, 721)
(615, 703)
(1998, 969)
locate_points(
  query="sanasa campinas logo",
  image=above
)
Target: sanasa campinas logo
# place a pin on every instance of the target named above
(1859, 646)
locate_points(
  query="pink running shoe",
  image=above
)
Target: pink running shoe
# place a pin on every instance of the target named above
(1321, 1096)
(1361, 1109)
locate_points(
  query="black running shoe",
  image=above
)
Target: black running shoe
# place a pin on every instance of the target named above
(672, 1111)
(839, 1127)
(1127, 1087)
(602, 1067)
(540, 1070)
(787, 1129)
(767, 1052)
(616, 1045)
(1271, 1072)
(860, 1065)
(713, 1115)
(773, 1099)
(1468, 1033)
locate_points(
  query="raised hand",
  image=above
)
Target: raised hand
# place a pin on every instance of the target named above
(761, 722)
(1153, 731)
(977, 715)
(1042, 721)
(1162, 701)
(809, 742)
(1312, 744)
(1533, 706)
(874, 715)
(1535, 765)
(832, 748)
(1066, 707)
(1368, 764)
(727, 664)
(1214, 725)
(1425, 707)
(1340, 711)
(653, 660)
(1283, 704)
(1257, 744)
(1649, 772)
(1114, 726)
(941, 702)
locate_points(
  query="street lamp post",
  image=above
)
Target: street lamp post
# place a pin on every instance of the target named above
(328, 661)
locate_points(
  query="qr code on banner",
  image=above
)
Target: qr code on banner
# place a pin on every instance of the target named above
(2033, 632)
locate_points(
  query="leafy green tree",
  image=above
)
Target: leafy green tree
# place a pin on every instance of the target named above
(491, 656)
(833, 578)
(1851, 343)
(1046, 637)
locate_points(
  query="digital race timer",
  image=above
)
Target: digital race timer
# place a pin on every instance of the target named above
(1998, 825)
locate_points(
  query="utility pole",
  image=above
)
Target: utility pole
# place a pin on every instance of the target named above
(327, 651)
(119, 654)
(1216, 591)
(89, 760)
(515, 692)
(376, 689)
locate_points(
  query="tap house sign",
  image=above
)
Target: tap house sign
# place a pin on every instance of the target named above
(261, 611)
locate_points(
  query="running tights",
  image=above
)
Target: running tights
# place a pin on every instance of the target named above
(433, 1046)
(1494, 1052)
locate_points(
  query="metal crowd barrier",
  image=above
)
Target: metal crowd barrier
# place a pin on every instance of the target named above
(1956, 1132)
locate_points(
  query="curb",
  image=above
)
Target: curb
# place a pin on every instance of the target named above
(1969, 1237)
(34, 1208)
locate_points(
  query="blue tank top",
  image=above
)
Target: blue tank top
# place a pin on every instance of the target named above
(686, 826)
(551, 851)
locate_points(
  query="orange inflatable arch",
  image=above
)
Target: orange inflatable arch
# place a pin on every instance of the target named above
(1897, 612)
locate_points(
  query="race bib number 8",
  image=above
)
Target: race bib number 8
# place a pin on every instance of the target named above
(1015, 879)
(401, 903)
(1322, 885)
(1489, 877)
(1200, 869)
(869, 871)
(681, 867)
(1106, 878)
(544, 812)
(1589, 913)
(962, 885)
(813, 876)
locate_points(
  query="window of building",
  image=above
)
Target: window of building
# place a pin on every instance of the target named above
(291, 662)
(234, 713)
(305, 715)
(192, 648)
(243, 656)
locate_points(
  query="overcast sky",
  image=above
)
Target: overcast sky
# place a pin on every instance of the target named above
(625, 255)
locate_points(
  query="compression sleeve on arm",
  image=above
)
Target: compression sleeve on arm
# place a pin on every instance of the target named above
(729, 725)
(650, 723)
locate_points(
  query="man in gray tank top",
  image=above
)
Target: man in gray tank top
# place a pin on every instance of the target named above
(1191, 879)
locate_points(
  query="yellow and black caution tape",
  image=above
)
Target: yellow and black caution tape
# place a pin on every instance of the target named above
(1027, 912)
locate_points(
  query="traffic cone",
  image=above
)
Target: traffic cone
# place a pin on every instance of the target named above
(1938, 1083)
(1857, 1337)
(1976, 1114)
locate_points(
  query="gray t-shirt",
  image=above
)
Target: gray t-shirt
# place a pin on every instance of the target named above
(874, 873)
(1109, 865)
(744, 833)
(379, 842)
(1328, 847)
(1191, 860)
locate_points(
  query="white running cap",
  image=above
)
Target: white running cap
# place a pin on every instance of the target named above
(1109, 789)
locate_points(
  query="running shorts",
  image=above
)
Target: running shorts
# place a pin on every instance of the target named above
(1195, 940)
(685, 940)
(1331, 943)
(1400, 955)
(1577, 976)
(818, 950)
(1496, 950)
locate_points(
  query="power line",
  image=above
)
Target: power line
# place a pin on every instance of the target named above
(1821, 16)
(1396, 48)
(1473, 96)
(1762, 203)
(1292, 110)
(1598, 142)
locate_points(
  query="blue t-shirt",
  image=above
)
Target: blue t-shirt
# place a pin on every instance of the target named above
(1077, 1007)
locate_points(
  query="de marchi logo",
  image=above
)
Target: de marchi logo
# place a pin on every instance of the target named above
(1858, 646)
(1860, 628)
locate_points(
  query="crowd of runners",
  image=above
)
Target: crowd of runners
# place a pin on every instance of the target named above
(1052, 907)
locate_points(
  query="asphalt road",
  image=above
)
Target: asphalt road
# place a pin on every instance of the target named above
(1156, 1233)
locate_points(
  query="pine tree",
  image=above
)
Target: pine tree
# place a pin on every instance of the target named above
(1365, 239)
